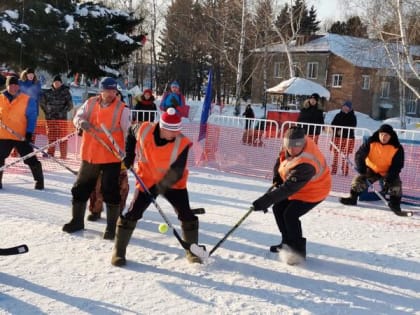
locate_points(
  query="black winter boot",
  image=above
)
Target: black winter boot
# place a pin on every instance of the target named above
(276, 248)
(77, 222)
(395, 203)
(94, 216)
(36, 170)
(352, 200)
(190, 235)
(296, 252)
(112, 214)
(123, 234)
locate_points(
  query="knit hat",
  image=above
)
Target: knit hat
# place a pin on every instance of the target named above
(170, 120)
(348, 104)
(108, 83)
(148, 91)
(30, 70)
(386, 128)
(175, 84)
(315, 96)
(294, 137)
(57, 78)
(11, 79)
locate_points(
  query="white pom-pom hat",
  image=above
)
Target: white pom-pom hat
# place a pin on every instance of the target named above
(170, 120)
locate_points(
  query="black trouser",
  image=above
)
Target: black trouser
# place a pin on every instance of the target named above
(86, 181)
(178, 198)
(287, 214)
(22, 147)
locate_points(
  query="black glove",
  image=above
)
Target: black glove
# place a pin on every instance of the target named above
(277, 180)
(128, 161)
(262, 203)
(84, 124)
(28, 137)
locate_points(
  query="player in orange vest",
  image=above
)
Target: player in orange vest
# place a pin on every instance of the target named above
(380, 157)
(109, 110)
(19, 112)
(162, 152)
(302, 179)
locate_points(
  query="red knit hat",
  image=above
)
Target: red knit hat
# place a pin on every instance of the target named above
(170, 120)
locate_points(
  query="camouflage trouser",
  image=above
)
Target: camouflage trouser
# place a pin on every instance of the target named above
(96, 199)
(360, 183)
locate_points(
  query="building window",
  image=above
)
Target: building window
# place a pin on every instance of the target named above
(337, 80)
(411, 103)
(312, 70)
(277, 69)
(365, 82)
(385, 89)
(297, 69)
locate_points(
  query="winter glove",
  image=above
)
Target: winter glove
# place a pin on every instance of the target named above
(277, 180)
(28, 137)
(128, 161)
(84, 125)
(262, 203)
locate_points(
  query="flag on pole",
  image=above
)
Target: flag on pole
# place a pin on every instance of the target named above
(206, 107)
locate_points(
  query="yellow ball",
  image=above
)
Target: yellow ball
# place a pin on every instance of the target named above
(163, 228)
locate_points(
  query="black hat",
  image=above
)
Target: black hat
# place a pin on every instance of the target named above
(57, 78)
(294, 137)
(315, 96)
(386, 128)
(11, 79)
(30, 70)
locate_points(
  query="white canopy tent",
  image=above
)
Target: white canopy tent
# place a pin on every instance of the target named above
(299, 86)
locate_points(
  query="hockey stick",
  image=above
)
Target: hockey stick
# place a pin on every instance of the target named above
(16, 250)
(21, 138)
(236, 225)
(194, 248)
(401, 213)
(29, 155)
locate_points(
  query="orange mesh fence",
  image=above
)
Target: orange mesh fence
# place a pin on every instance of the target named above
(229, 147)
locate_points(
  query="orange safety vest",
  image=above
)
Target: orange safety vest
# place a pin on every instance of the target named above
(155, 161)
(380, 157)
(13, 115)
(91, 150)
(318, 188)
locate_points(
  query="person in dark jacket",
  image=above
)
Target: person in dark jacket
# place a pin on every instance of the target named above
(343, 138)
(381, 157)
(145, 102)
(248, 113)
(56, 102)
(312, 113)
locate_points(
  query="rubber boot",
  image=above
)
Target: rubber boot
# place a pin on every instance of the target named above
(296, 252)
(352, 200)
(395, 203)
(1, 179)
(112, 214)
(190, 235)
(123, 234)
(36, 170)
(77, 222)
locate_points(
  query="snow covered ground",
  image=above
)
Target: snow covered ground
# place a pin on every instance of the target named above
(361, 260)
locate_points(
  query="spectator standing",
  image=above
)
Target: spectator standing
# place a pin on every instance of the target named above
(312, 113)
(56, 102)
(162, 166)
(174, 98)
(30, 85)
(145, 102)
(343, 138)
(302, 181)
(107, 109)
(248, 113)
(19, 112)
(380, 157)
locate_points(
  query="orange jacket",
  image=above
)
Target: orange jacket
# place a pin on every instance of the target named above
(380, 157)
(91, 150)
(13, 115)
(318, 188)
(155, 161)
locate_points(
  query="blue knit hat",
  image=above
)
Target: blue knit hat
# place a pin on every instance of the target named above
(109, 83)
(175, 84)
(348, 104)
